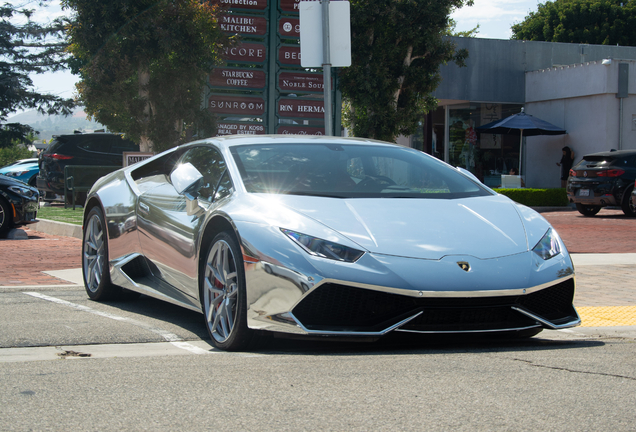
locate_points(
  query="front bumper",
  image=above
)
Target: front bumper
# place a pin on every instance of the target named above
(24, 209)
(511, 293)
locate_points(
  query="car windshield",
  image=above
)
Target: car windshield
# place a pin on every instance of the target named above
(349, 171)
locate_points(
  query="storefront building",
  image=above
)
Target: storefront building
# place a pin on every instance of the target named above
(571, 86)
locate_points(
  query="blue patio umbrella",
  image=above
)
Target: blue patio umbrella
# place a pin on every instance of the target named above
(521, 124)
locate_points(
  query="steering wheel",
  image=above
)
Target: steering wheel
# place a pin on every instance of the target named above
(375, 182)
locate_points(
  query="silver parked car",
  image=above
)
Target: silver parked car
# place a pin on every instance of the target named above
(324, 236)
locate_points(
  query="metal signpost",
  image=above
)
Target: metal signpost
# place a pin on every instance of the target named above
(263, 87)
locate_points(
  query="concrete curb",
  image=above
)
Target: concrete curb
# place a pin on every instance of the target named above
(58, 228)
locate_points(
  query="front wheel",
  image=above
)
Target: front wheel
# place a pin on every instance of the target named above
(627, 205)
(588, 210)
(5, 218)
(223, 295)
(95, 258)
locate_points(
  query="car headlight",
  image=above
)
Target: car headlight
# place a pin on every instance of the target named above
(23, 191)
(548, 246)
(323, 248)
(15, 173)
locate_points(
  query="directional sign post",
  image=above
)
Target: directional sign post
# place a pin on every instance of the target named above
(263, 87)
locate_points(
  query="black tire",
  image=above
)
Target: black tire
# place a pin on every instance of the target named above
(33, 181)
(223, 295)
(6, 221)
(588, 210)
(628, 208)
(95, 259)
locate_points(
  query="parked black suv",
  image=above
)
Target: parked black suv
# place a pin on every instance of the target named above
(603, 179)
(78, 149)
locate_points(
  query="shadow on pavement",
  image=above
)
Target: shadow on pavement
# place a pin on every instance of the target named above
(395, 343)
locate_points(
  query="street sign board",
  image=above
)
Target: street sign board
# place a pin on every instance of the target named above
(244, 24)
(242, 105)
(289, 5)
(239, 78)
(289, 27)
(243, 4)
(301, 82)
(232, 128)
(301, 108)
(289, 55)
(300, 130)
(311, 37)
(246, 52)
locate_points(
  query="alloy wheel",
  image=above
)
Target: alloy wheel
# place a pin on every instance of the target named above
(220, 291)
(93, 253)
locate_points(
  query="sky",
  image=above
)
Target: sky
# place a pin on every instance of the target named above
(494, 17)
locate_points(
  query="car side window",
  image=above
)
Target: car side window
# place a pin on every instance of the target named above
(210, 164)
(94, 144)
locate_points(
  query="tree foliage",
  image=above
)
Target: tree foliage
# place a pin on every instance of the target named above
(397, 48)
(143, 65)
(24, 49)
(606, 22)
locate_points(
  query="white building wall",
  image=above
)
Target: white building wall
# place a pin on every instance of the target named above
(581, 99)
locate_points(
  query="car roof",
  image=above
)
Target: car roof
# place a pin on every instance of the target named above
(615, 153)
(239, 140)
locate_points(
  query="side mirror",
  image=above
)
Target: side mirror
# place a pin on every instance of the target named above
(187, 180)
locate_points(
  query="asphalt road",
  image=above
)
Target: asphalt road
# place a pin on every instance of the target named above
(68, 363)
(145, 365)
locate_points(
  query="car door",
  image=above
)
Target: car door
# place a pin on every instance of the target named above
(167, 233)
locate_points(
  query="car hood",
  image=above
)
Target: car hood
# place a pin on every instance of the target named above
(14, 168)
(10, 181)
(483, 227)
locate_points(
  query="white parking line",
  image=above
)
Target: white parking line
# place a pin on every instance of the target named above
(169, 337)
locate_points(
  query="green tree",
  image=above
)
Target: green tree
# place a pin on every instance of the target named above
(24, 49)
(606, 22)
(143, 65)
(397, 48)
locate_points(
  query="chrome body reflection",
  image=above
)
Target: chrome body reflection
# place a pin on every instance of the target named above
(406, 274)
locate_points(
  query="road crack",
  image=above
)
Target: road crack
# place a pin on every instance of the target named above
(574, 370)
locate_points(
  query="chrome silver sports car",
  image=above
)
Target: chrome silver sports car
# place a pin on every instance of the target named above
(324, 236)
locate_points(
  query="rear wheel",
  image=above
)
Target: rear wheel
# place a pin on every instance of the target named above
(5, 218)
(628, 207)
(95, 258)
(223, 295)
(588, 210)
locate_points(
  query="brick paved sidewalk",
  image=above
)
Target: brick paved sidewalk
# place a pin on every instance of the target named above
(23, 261)
(610, 231)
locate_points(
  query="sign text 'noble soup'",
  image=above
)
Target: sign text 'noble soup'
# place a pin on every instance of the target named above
(296, 81)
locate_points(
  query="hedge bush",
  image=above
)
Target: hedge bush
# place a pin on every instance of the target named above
(15, 152)
(556, 197)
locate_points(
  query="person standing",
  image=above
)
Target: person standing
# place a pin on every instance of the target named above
(566, 164)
